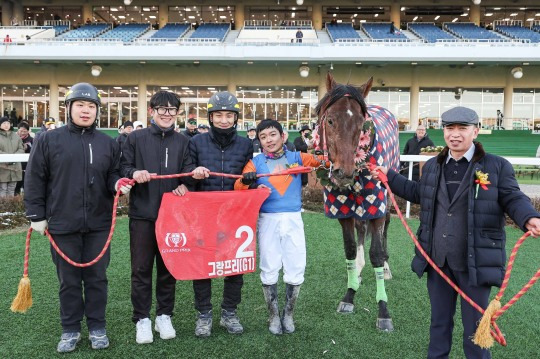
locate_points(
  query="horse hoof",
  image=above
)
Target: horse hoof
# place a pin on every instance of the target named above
(385, 324)
(345, 308)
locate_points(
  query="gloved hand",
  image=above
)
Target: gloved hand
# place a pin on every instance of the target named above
(124, 184)
(249, 177)
(40, 226)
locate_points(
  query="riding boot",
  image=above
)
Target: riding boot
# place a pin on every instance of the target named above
(270, 296)
(287, 321)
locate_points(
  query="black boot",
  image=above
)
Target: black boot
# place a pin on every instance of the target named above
(287, 321)
(270, 296)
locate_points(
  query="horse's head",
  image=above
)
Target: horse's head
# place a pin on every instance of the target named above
(342, 113)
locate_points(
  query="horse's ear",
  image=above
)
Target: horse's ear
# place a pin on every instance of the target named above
(366, 87)
(330, 82)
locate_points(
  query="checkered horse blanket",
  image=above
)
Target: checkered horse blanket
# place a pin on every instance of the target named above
(367, 198)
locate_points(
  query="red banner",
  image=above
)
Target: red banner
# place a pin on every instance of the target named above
(209, 234)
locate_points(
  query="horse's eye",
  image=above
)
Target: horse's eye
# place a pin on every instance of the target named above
(330, 122)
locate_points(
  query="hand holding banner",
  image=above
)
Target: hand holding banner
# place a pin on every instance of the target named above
(209, 234)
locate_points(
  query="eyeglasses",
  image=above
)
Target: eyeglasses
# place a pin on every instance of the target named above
(163, 110)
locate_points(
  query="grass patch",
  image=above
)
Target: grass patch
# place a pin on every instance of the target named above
(318, 324)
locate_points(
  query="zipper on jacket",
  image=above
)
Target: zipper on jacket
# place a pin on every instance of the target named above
(166, 156)
(91, 154)
(85, 176)
(222, 169)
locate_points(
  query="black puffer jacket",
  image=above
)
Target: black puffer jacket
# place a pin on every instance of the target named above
(486, 256)
(70, 179)
(231, 159)
(158, 151)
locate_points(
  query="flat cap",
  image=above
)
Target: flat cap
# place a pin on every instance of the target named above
(459, 115)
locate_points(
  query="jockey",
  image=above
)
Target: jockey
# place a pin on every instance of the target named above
(282, 243)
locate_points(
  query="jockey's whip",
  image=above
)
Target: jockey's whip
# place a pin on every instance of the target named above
(23, 300)
(484, 334)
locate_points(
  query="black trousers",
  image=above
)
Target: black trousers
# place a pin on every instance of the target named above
(74, 281)
(232, 293)
(443, 307)
(144, 250)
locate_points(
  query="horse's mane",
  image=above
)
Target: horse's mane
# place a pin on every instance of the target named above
(340, 91)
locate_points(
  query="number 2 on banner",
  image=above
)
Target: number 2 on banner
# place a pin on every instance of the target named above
(241, 252)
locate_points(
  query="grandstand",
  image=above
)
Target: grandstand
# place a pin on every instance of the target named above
(470, 31)
(430, 32)
(171, 31)
(125, 32)
(86, 32)
(439, 56)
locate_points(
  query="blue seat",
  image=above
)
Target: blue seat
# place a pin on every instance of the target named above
(519, 32)
(126, 32)
(341, 31)
(85, 32)
(470, 31)
(381, 31)
(211, 31)
(429, 32)
(171, 31)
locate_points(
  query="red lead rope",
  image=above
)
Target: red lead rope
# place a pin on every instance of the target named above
(495, 332)
(290, 171)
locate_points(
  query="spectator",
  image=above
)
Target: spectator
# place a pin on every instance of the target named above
(252, 136)
(127, 128)
(220, 150)
(302, 144)
(202, 128)
(299, 36)
(392, 28)
(10, 172)
(27, 141)
(500, 119)
(413, 147)
(13, 116)
(48, 125)
(290, 146)
(88, 21)
(137, 125)
(191, 128)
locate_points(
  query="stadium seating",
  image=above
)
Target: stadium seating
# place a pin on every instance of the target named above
(171, 31)
(211, 31)
(469, 31)
(60, 29)
(381, 31)
(518, 32)
(341, 31)
(126, 32)
(536, 28)
(429, 32)
(86, 32)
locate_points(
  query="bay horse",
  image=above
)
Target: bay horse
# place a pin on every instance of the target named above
(350, 135)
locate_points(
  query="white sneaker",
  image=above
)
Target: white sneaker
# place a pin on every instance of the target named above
(164, 327)
(144, 331)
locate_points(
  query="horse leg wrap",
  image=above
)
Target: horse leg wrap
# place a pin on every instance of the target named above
(291, 295)
(352, 275)
(381, 291)
(270, 296)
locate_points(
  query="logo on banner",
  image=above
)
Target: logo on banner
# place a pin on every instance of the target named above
(177, 239)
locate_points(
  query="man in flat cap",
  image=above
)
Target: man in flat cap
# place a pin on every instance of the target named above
(463, 194)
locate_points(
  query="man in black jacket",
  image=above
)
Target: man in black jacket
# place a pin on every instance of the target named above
(413, 147)
(302, 144)
(463, 195)
(71, 178)
(220, 150)
(191, 128)
(128, 128)
(160, 150)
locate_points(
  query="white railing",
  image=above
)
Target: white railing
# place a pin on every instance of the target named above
(283, 41)
(420, 158)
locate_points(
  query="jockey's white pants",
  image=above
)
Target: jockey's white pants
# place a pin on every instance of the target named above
(282, 243)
